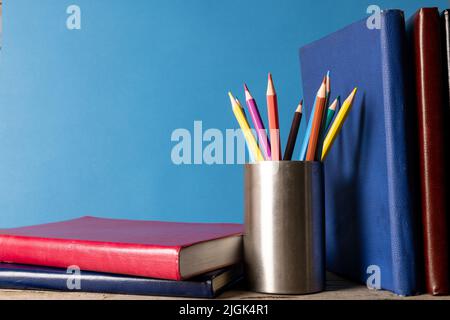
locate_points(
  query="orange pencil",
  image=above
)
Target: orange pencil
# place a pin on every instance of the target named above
(274, 126)
(317, 122)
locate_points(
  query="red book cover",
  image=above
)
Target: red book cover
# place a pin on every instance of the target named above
(140, 248)
(431, 115)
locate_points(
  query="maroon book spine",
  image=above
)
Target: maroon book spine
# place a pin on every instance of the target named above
(430, 115)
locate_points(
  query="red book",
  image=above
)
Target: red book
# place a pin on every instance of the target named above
(431, 117)
(164, 250)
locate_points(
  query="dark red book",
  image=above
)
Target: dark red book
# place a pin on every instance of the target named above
(431, 112)
(445, 19)
(446, 55)
(163, 250)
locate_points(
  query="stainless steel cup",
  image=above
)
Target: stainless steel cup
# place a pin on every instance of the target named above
(284, 240)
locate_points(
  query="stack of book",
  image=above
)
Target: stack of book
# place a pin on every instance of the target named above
(390, 158)
(122, 256)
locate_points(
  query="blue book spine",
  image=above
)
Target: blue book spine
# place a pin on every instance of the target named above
(401, 209)
(42, 278)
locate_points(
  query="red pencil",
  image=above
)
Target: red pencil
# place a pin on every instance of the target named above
(274, 127)
(317, 122)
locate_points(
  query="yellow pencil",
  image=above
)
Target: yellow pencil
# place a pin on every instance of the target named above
(242, 109)
(337, 124)
(243, 123)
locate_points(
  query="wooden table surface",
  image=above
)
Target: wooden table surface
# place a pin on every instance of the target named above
(337, 289)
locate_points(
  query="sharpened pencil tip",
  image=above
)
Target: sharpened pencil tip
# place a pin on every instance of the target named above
(334, 104)
(328, 84)
(232, 99)
(248, 95)
(322, 90)
(351, 96)
(270, 86)
(300, 107)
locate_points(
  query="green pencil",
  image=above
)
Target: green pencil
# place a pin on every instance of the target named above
(330, 114)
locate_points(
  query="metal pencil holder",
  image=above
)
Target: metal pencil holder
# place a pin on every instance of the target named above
(284, 240)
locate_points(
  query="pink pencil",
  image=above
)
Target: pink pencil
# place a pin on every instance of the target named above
(274, 125)
(258, 123)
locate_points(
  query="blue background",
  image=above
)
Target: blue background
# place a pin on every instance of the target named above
(86, 116)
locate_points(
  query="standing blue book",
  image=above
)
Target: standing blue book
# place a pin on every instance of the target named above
(370, 182)
(24, 277)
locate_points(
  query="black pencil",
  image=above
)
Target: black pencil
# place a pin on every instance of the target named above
(293, 133)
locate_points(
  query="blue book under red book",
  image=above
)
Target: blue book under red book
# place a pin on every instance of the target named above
(370, 178)
(22, 277)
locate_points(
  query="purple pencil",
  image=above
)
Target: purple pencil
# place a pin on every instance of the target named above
(259, 125)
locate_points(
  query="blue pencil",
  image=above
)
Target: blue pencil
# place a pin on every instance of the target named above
(304, 146)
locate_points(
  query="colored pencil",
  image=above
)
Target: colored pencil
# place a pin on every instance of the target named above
(242, 108)
(258, 123)
(330, 113)
(250, 153)
(246, 130)
(328, 87)
(304, 146)
(293, 133)
(305, 142)
(325, 114)
(274, 126)
(337, 124)
(327, 122)
(317, 122)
